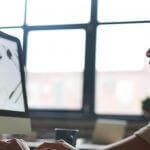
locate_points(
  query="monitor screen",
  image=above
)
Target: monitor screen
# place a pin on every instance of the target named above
(13, 99)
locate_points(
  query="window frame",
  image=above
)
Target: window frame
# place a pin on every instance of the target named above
(87, 111)
(88, 74)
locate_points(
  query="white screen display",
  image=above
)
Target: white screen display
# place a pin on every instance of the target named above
(11, 95)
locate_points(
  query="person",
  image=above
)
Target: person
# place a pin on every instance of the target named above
(140, 140)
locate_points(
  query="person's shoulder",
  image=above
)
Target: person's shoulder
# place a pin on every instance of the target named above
(144, 133)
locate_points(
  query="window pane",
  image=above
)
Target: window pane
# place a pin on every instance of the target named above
(58, 11)
(117, 44)
(122, 77)
(55, 62)
(12, 12)
(123, 10)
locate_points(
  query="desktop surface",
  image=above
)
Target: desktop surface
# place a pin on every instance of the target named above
(79, 146)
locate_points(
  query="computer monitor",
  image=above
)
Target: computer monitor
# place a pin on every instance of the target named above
(14, 117)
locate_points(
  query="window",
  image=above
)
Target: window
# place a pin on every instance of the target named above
(55, 79)
(58, 12)
(12, 14)
(55, 67)
(126, 10)
(121, 73)
(122, 76)
(82, 56)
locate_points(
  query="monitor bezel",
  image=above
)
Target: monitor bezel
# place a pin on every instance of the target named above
(23, 80)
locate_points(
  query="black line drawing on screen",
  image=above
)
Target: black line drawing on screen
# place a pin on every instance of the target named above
(18, 97)
(1, 56)
(10, 56)
(12, 93)
(15, 94)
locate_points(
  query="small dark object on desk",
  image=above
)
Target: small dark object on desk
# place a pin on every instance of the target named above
(68, 135)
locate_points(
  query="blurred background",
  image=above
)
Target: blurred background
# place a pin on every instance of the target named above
(85, 59)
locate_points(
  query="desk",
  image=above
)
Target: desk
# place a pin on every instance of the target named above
(90, 147)
(84, 146)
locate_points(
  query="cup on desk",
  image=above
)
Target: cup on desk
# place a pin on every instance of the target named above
(68, 135)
